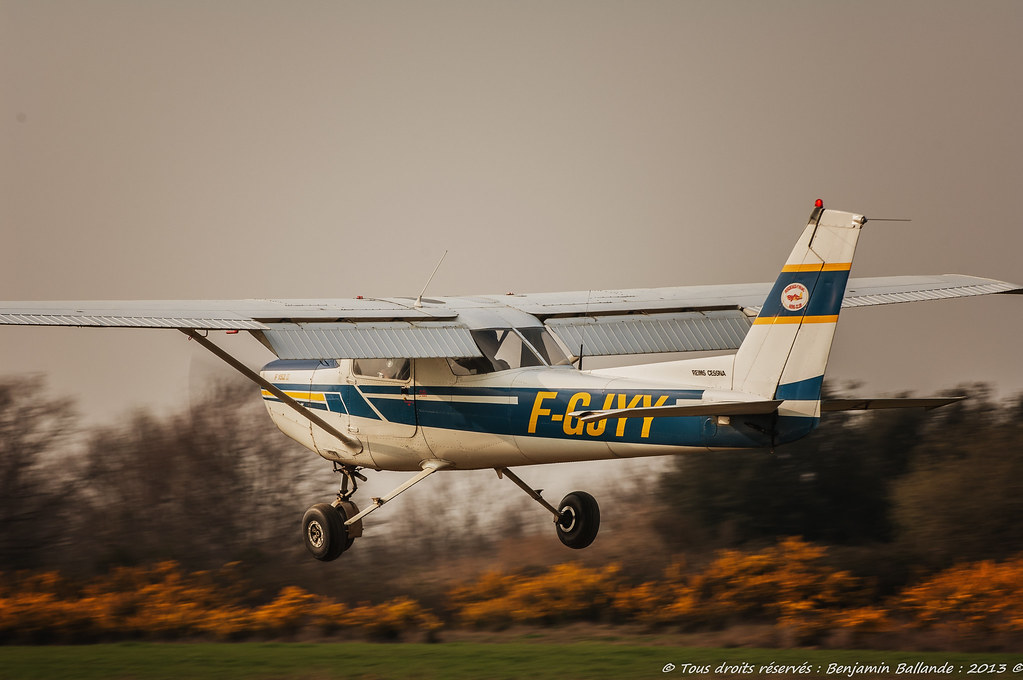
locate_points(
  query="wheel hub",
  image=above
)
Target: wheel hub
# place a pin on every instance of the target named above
(315, 533)
(567, 519)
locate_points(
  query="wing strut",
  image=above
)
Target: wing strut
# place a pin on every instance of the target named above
(533, 493)
(354, 444)
(429, 467)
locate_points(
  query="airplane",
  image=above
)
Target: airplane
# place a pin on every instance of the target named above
(496, 381)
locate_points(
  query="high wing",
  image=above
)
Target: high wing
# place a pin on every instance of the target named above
(603, 322)
(292, 329)
(881, 290)
(695, 318)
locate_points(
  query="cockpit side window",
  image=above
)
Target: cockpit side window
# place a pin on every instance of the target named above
(487, 343)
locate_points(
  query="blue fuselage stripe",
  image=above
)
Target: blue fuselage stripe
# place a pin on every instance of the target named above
(533, 412)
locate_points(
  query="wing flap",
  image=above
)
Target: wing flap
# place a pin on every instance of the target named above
(382, 340)
(651, 333)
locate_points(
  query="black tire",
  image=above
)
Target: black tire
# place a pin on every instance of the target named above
(324, 532)
(341, 509)
(580, 520)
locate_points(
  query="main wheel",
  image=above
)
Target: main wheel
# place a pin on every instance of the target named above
(580, 520)
(326, 536)
(348, 509)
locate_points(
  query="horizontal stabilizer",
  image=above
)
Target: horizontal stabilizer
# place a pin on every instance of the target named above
(870, 404)
(721, 408)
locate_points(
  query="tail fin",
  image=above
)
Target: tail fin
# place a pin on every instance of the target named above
(786, 351)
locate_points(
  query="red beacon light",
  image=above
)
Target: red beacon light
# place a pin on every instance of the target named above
(819, 203)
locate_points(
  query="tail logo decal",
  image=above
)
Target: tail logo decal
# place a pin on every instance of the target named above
(794, 297)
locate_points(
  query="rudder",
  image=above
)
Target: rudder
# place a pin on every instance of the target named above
(786, 350)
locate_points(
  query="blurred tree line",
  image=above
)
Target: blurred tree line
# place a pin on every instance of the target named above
(899, 493)
(204, 485)
(213, 484)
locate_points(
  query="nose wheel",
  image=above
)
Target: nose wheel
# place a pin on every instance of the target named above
(324, 530)
(329, 530)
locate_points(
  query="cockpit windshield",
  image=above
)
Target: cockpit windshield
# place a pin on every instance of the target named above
(546, 345)
(507, 348)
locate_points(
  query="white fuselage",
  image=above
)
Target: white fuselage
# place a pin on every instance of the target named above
(501, 419)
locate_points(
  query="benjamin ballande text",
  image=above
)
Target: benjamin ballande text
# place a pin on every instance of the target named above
(848, 670)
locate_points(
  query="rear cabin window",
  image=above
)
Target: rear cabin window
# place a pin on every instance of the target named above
(388, 369)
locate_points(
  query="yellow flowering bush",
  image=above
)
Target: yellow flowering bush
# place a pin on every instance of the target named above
(676, 599)
(784, 580)
(390, 618)
(566, 592)
(164, 602)
(984, 596)
(788, 584)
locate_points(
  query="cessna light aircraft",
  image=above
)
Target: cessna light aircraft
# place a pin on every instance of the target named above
(495, 381)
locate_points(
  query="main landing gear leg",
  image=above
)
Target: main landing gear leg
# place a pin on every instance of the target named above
(331, 529)
(351, 475)
(576, 519)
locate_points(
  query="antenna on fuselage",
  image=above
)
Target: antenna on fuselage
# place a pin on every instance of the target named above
(419, 300)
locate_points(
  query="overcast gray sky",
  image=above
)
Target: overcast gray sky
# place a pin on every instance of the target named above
(196, 149)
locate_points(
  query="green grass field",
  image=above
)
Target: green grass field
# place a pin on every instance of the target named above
(452, 661)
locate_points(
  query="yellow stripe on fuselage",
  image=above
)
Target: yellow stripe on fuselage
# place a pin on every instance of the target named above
(826, 318)
(301, 396)
(827, 267)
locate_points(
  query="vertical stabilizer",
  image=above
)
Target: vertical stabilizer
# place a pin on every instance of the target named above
(786, 351)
